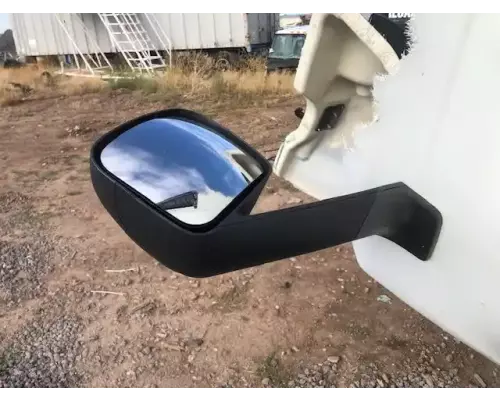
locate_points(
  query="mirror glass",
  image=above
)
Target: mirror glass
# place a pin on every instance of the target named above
(188, 170)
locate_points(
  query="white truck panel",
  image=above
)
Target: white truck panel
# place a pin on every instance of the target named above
(437, 132)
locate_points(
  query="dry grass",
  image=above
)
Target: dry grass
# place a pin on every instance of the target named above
(192, 76)
(19, 84)
(200, 76)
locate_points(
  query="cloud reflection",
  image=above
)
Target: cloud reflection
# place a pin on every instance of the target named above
(163, 158)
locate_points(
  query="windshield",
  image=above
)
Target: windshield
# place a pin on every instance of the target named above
(287, 46)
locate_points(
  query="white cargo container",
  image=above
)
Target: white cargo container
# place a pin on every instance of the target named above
(41, 34)
(215, 31)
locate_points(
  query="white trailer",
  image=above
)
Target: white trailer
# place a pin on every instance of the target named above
(41, 34)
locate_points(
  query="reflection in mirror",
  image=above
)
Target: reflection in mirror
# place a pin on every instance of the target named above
(189, 171)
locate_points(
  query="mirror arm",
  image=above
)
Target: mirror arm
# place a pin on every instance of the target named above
(394, 212)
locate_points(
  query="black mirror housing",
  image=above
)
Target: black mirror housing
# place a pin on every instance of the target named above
(235, 239)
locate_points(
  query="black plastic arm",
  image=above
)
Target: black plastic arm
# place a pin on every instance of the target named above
(394, 212)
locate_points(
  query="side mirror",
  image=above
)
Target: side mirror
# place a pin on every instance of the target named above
(183, 187)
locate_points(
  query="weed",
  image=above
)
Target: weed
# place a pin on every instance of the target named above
(48, 175)
(272, 369)
(232, 299)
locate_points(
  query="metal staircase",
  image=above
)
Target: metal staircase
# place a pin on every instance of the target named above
(130, 36)
(94, 61)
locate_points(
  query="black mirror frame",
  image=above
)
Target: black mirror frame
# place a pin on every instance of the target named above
(241, 204)
(236, 239)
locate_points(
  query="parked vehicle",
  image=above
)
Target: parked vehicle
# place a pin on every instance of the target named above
(286, 48)
(287, 44)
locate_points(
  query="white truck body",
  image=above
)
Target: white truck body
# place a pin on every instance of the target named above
(433, 125)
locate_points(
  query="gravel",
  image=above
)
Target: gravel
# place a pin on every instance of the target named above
(420, 372)
(43, 354)
(321, 375)
(412, 374)
(22, 267)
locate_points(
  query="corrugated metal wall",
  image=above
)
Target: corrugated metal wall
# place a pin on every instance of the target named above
(261, 27)
(203, 31)
(209, 31)
(41, 34)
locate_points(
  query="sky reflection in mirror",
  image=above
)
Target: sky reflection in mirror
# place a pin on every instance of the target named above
(166, 157)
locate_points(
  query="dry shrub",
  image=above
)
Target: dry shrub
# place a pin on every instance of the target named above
(81, 85)
(9, 97)
(196, 75)
(241, 87)
(193, 75)
(11, 94)
(253, 64)
(194, 63)
(17, 84)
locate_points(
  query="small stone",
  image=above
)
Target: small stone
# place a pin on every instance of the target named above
(384, 299)
(333, 359)
(195, 342)
(293, 259)
(449, 358)
(479, 380)
(265, 381)
(287, 285)
(366, 289)
(291, 384)
(385, 378)
(295, 349)
(429, 381)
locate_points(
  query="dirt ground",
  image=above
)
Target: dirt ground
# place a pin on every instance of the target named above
(314, 320)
